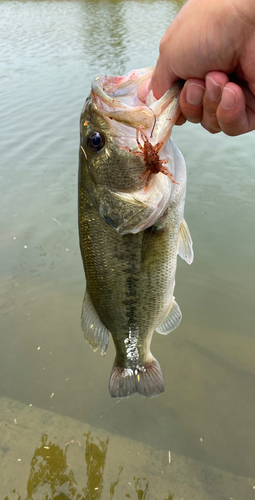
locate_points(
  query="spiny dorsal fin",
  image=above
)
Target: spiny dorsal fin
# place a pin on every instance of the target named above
(185, 245)
(95, 332)
(171, 321)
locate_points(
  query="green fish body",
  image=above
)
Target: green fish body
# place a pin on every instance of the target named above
(131, 229)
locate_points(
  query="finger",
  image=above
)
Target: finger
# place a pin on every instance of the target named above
(163, 78)
(236, 111)
(214, 85)
(191, 99)
(181, 120)
(143, 91)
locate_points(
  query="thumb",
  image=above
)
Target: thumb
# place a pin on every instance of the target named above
(159, 84)
(143, 91)
(162, 79)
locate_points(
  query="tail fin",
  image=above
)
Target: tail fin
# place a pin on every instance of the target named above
(148, 381)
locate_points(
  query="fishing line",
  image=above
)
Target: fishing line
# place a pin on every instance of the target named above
(153, 126)
(101, 411)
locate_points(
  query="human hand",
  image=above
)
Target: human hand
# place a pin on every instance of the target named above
(211, 45)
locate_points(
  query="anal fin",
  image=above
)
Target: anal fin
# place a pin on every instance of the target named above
(148, 380)
(95, 332)
(172, 320)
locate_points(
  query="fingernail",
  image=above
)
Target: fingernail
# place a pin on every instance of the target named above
(195, 94)
(228, 99)
(213, 89)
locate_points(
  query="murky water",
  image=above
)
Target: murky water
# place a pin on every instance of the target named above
(50, 51)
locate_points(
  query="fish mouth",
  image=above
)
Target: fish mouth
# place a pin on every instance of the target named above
(115, 98)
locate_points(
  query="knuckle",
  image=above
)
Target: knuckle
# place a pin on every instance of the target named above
(213, 128)
(164, 42)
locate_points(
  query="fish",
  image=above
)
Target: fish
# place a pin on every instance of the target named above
(132, 185)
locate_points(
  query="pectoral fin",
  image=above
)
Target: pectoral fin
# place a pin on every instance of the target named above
(95, 332)
(185, 245)
(171, 321)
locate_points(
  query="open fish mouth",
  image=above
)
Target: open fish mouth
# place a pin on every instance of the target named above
(115, 97)
(136, 135)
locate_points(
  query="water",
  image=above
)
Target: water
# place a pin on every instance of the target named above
(50, 51)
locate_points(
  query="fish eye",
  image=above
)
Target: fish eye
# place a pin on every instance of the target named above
(95, 141)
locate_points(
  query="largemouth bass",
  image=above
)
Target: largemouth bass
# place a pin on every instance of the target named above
(132, 183)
